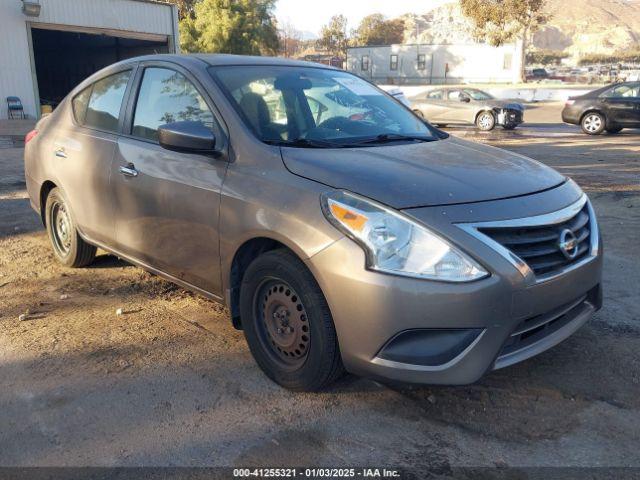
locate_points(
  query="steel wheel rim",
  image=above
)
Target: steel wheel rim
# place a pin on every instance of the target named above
(592, 123)
(61, 229)
(282, 323)
(485, 120)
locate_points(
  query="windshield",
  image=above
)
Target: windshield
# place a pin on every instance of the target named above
(478, 94)
(316, 107)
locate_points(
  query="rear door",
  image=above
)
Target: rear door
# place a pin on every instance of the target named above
(433, 106)
(623, 104)
(83, 153)
(167, 203)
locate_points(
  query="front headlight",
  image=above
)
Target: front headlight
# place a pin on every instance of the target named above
(396, 244)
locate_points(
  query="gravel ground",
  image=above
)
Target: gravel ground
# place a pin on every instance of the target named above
(170, 382)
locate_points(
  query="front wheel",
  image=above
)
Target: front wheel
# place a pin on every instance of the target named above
(593, 123)
(287, 323)
(68, 247)
(485, 121)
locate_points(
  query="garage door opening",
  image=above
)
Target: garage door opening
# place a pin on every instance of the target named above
(63, 59)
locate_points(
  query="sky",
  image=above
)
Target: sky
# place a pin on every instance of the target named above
(310, 15)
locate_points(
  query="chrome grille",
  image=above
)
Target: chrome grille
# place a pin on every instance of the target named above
(539, 246)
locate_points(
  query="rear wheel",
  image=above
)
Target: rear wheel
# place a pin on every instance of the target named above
(485, 121)
(593, 123)
(68, 248)
(287, 323)
(614, 129)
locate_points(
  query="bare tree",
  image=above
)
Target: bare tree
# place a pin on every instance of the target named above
(290, 38)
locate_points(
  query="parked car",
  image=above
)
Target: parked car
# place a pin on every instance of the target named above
(537, 74)
(467, 106)
(379, 245)
(609, 109)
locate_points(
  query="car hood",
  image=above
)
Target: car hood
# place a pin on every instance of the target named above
(423, 174)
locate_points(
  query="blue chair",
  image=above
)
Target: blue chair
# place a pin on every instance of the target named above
(15, 108)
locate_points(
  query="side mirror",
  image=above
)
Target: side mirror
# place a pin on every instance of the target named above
(464, 98)
(187, 137)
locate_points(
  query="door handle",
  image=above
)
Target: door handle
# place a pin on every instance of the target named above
(128, 170)
(60, 153)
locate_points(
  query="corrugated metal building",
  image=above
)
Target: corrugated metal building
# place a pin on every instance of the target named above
(436, 64)
(48, 46)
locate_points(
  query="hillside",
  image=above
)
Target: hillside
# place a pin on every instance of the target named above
(576, 26)
(591, 26)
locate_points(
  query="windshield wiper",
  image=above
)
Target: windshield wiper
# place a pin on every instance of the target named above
(394, 137)
(305, 143)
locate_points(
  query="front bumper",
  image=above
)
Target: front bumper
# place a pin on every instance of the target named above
(381, 319)
(509, 117)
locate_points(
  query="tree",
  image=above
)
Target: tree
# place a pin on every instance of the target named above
(376, 30)
(245, 27)
(333, 36)
(290, 38)
(185, 8)
(501, 21)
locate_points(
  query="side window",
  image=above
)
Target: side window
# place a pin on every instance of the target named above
(105, 102)
(393, 62)
(79, 104)
(422, 61)
(364, 63)
(166, 96)
(623, 91)
(435, 95)
(454, 94)
(507, 61)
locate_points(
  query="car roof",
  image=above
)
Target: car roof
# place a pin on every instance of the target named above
(219, 59)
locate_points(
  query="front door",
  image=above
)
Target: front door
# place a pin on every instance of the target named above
(623, 104)
(167, 203)
(458, 111)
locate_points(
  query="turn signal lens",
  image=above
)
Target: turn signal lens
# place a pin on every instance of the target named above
(396, 244)
(349, 217)
(30, 136)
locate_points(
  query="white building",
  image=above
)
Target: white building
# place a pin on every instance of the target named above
(436, 64)
(48, 46)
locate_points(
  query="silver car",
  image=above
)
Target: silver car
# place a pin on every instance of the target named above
(467, 106)
(369, 242)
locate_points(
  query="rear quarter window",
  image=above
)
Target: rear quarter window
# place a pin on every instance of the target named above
(80, 103)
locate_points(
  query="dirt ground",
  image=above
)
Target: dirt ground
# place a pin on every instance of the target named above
(171, 383)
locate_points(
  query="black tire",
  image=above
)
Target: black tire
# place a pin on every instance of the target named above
(613, 129)
(68, 247)
(593, 123)
(278, 292)
(485, 121)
